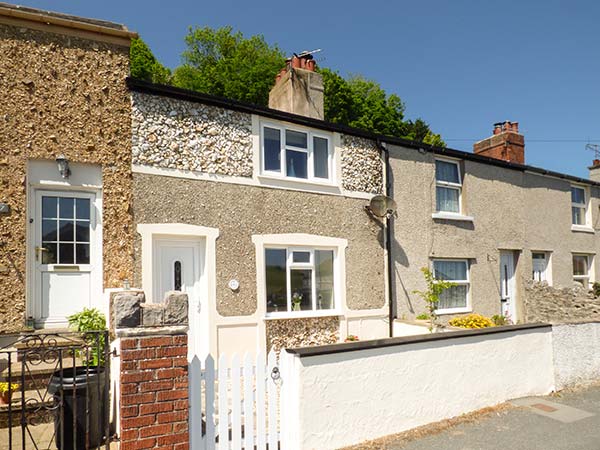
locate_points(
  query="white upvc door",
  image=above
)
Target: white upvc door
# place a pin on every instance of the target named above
(508, 285)
(66, 255)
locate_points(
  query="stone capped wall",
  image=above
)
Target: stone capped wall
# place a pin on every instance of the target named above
(290, 333)
(61, 95)
(362, 167)
(545, 303)
(182, 135)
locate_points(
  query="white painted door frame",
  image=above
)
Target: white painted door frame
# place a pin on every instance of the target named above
(203, 312)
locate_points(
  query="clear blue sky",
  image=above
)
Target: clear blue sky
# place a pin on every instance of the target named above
(460, 65)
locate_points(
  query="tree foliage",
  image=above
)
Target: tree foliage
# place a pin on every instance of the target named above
(362, 103)
(144, 64)
(221, 62)
(224, 63)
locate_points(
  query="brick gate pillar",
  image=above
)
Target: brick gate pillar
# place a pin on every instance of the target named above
(153, 400)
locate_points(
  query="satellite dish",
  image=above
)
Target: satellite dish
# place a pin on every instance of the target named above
(382, 206)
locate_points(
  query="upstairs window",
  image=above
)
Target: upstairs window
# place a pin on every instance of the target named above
(578, 206)
(448, 186)
(296, 154)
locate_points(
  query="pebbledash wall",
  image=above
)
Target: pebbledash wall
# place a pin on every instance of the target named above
(197, 164)
(512, 209)
(64, 92)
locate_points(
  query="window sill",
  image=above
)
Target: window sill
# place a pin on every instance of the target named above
(302, 314)
(274, 178)
(582, 229)
(442, 312)
(452, 216)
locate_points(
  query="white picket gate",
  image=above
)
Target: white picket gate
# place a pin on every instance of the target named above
(239, 401)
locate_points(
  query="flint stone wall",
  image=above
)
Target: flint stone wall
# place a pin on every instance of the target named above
(189, 136)
(545, 303)
(183, 135)
(362, 167)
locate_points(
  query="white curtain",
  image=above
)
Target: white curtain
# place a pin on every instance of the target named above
(447, 199)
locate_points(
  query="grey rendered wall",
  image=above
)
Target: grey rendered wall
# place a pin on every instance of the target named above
(512, 210)
(240, 211)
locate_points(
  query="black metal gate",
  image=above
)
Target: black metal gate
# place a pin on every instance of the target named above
(54, 391)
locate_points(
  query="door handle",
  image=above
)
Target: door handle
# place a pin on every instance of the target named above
(38, 252)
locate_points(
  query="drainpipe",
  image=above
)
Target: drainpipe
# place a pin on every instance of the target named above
(388, 236)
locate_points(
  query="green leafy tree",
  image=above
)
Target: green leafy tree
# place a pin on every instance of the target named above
(362, 103)
(224, 63)
(221, 62)
(144, 65)
(431, 295)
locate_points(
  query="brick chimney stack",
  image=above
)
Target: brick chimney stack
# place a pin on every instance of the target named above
(506, 143)
(298, 88)
(595, 170)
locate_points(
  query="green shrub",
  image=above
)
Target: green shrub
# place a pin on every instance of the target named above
(472, 321)
(596, 289)
(423, 316)
(90, 319)
(500, 320)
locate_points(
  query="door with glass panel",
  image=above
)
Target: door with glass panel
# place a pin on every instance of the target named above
(67, 265)
(508, 285)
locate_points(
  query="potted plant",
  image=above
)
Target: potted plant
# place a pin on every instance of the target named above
(6, 390)
(296, 301)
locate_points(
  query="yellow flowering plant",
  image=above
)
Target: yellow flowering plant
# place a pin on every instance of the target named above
(472, 321)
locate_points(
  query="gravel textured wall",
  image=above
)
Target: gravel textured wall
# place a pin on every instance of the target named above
(190, 136)
(290, 333)
(240, 211)
(61, 95)
(362, 167)
(544, 303)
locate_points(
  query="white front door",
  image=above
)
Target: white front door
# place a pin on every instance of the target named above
(178, 265)
(66, 256)
(508, 285)
(178, 268)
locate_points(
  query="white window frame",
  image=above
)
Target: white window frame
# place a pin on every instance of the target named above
(446, 184)
(311, 134)
(467, 283)
(585, 226)
(301, 242)
(590, 272)
(546, 275)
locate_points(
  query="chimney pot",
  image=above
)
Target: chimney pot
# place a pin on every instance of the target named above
(505, 143)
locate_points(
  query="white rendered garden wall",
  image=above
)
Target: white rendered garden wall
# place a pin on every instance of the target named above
(344, 395)
(576, 354)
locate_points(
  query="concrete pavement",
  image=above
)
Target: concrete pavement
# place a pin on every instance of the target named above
(566, 421)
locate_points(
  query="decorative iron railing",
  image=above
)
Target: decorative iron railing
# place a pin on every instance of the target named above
(55, 390)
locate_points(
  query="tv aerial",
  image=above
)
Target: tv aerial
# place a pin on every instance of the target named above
(595, 148)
